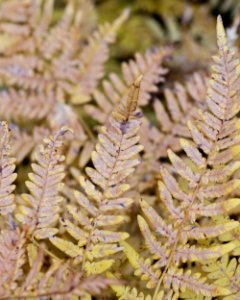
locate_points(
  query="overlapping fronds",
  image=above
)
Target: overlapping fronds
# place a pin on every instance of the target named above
(45, 63)
(149, 65)
(7, 175)
(53, 279)
(101, 204)
(93, 209)
(23, 143)
(92, 59)
(172, 113)
(180, 103)
(200, 190)
(21, 106)
(226, 273)
(58, 282)
(40, 209)
(52, 57)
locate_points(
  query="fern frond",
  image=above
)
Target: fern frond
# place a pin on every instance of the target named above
(12, 259)
(92, 59)
(7, 175)
(181, 103)
(22, 143)
(175, 278)
(40, 209)
(63, 115)
(64, 37)
(128, 293)
(225, 273)
(180, 281)
(149, 65)
(197, 181)
(46, 57)
(208, 134)
(54, 280)
(21, 106)
(101, 204)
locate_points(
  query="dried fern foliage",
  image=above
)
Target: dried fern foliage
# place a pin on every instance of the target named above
(197, 200)
(101, 207)
(113, 185)
(46, 65)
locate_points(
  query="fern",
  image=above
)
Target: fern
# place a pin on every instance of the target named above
(48, 63)
(14, 108)
(206, 176)
(63, 234)
(7, 175)
(93, 57)
(225, 272)
(55, 280)
(40, 208)
(101, 206)
(181, 103)
(12, 258)
(148, 65)
(53, 62)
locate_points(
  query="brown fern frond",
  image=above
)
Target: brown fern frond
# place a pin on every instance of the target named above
(92, 59)
(149, 65)
(49, 58)
(20, 106)
(172, 114)
(181, 103)
(22, 142)
(7, 175)
(12, 259)
(64, 115)
(53, 280)
(101, 204)
(40, 209)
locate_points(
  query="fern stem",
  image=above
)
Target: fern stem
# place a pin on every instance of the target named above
(86, 128)
(99, 211)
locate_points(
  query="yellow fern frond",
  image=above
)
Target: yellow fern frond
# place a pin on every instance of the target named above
(224, 273)
(199, 180)
(101, 204)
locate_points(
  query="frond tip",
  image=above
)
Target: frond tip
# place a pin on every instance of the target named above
(221, 34)
(129, 103)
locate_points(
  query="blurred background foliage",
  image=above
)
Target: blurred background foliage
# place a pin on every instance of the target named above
(189, 26)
